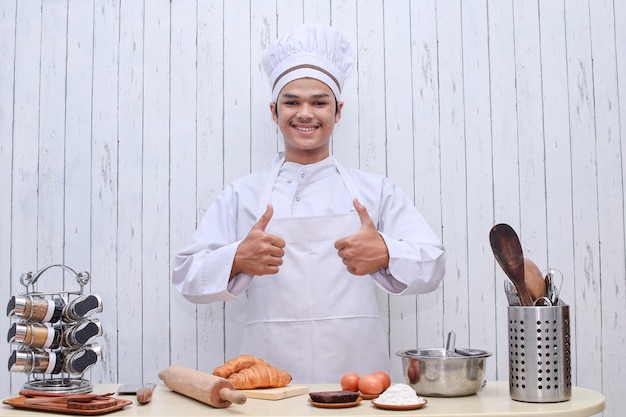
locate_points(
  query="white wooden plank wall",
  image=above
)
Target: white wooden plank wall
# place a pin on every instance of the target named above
(121, 120)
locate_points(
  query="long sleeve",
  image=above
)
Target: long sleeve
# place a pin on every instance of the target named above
(416, 255)
(201, 270)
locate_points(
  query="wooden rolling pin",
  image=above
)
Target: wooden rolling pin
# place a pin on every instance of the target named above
(209, 389)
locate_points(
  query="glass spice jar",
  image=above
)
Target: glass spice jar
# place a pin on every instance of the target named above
(82, 307)
(36, 308)
(35, 335)
(36, 361)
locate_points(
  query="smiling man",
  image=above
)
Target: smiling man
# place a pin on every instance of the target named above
(309, 241)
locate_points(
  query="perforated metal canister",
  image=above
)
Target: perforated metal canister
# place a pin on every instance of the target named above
(539, 354)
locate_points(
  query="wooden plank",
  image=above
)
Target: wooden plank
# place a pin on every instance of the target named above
(426, 155)
(266, 140)
(210, 169)
(504, 154)
(453, 167)
(78, 144)
(530, 130)
(556, 115)
(9, 285)
(611, 200)
(130, 196)
(156, 284)
(345, 140)
(401, 311)
(51, 156)
(371, 72)
(557, 138)
(582, 290)
(238, 147)
(104, 179)
(183, 163)
(25, 148)
(481, 292)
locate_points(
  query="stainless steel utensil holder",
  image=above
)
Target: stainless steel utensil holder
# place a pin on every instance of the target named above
(64, 381)
(539, 353)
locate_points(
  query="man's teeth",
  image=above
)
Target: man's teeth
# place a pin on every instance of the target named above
(306, 129)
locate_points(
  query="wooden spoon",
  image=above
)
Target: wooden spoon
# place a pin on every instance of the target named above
(507, 250)
(534, 280)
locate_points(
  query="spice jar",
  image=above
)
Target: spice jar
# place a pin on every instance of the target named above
(36, 361)
(36, 308)
(81, 360)
(82, 333)
(53, 362)
(82, 307)
(35, 335)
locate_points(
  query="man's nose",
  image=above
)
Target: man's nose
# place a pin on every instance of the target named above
(305, 111)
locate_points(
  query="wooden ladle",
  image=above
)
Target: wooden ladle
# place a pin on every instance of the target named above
(507, 250)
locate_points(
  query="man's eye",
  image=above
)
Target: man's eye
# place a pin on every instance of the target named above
(320, 103)
(290, 103)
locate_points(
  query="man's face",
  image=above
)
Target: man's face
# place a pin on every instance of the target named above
(305, 113)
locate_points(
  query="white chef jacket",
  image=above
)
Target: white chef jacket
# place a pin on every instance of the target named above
(201, 270)
(313, 307)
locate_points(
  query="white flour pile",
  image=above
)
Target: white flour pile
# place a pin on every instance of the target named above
(399, 394)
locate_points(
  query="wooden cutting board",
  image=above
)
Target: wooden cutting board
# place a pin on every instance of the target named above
(276, 393)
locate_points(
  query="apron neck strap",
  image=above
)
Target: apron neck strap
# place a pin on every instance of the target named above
(278, 162)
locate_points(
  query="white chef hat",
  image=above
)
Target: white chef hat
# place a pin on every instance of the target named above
(310, 51)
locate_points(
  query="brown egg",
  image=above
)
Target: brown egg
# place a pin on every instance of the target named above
(370, 385)
(534, 280)
(350, 382)
(384, 377)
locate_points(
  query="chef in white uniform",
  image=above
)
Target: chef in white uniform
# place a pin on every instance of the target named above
(308, 241)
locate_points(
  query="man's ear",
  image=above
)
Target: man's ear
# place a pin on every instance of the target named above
(338, 112)
(274, 111)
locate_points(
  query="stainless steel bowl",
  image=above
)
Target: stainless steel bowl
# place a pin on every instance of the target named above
(433, 374)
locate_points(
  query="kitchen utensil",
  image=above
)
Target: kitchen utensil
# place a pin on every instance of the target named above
(511, 296)
(144, 395)
(431, 373)
(29, 393)
(209, 389)
(451, 342)
(552, 290)
(469, 352)
(46, 399)
(534, 280)
(507, 250)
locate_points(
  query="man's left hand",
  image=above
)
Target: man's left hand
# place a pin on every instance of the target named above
(365, 251)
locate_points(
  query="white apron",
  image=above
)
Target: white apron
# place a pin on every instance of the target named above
(313, 318)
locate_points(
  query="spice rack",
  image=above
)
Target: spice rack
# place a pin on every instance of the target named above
(54, 333)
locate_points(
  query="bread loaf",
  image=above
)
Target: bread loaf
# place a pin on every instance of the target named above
(260, 376)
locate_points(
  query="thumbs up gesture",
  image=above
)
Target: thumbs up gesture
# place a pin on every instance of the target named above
(365, 251)
(259, 253)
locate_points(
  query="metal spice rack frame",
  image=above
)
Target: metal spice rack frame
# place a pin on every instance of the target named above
(63, 382)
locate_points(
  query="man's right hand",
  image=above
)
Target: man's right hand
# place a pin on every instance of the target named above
(259, 253)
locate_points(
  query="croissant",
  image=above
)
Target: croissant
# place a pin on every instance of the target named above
(236, 364)
(260, 376)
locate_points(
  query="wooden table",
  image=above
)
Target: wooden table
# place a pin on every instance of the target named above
(493, 401)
